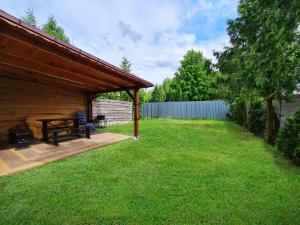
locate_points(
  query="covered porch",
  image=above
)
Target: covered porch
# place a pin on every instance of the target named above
(43, 76)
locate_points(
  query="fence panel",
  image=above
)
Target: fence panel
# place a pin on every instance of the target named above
(116, 112)
(216, 110)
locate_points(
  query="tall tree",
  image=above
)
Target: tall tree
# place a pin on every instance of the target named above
(269, 30)
(166, 86)
(235, 62)
(194, 77)
(29, 17)
(233, 89)
(52, 27)
(158, 94)
(126, 67)
(147, 96)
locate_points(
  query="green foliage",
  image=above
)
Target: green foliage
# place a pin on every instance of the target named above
(123, 96)
(194, 77)
(166, 86)
(233, 85)
(111, 95)
(194, 80)
(29, 17)
(257, 118)
(263, 58)
(269, 28)
(126, 65)
(147, 96)
(288, 140)
(158, 94)
(52, 28)
(175, 92)
(235, 113)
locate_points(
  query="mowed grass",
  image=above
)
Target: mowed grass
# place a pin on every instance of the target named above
(178, 172)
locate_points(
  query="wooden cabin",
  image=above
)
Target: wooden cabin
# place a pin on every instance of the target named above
(42, 75)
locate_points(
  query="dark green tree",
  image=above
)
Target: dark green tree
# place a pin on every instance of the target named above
(175, 92)
(52, 28)
(166, 86)
(147, 96)
(194, 77)
(232, 64)
(288, 140)
(158, 94)
(29, 17)
(268, 29)
(126, 67)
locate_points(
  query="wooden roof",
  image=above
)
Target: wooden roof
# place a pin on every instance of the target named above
(31, 54)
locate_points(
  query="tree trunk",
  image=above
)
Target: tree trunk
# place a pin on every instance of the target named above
(270, 122)
(245, 116)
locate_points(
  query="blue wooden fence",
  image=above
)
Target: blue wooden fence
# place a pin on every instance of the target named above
(215, 110)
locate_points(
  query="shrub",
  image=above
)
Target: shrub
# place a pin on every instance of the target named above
(288, 139)
(235, 113)
(257, 118)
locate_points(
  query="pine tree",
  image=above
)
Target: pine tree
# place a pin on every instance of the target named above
(29, 18)
(52, 27)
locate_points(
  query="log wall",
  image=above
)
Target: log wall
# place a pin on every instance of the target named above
(19, 99)
(116, 112)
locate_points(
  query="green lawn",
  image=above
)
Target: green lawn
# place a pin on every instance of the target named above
(178, 172)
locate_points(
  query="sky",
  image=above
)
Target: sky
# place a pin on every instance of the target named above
(153, 34)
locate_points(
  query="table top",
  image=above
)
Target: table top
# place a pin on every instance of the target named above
(56, 119)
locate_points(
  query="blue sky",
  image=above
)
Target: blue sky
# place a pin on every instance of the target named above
(154, 35)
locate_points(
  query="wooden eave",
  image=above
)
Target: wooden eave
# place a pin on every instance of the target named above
(28, 53)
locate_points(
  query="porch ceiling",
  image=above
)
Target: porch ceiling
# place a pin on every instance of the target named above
(30, 54)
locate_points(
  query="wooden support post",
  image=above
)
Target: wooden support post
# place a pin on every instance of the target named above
(89, 106)
(88, 132)
(136, 113)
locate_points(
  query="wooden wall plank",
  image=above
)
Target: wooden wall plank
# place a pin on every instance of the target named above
(20, 99)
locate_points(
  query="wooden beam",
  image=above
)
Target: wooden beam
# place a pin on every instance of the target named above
(136, 113)
(20, 74)
(33, 66)
(130, 95)
(116, 89)
(68, 54)
(23, 50)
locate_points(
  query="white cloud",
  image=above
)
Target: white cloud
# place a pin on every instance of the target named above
(128, 31)
(201, 5)
(221, 8)
(147, 32)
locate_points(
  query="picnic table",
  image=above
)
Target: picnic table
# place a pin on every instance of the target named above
(71, 124)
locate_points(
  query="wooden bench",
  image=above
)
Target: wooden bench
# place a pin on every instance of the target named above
(56, 129)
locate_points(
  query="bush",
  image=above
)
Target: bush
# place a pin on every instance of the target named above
(288, 139)
(257, 118)
(235, 113)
